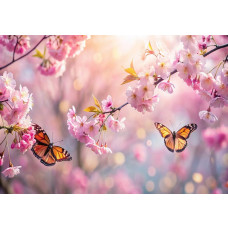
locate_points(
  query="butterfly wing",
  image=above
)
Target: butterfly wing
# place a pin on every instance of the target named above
(42, 142)
(164, 131)
(186, 131)
(180, 144)
(60, 154)
(182, 135)
(170, 143)
(41, 148)
(167, 135)
(41, 136)
(48, 159)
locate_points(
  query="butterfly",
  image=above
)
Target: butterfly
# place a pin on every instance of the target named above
(46, 151)
(176, 141)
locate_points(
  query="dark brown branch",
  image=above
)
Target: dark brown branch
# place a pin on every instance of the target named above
(215, 49)
(116, 109)
(15, 60)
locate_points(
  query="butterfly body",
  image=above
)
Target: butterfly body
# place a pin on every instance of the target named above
(44, 150)
(175, 141)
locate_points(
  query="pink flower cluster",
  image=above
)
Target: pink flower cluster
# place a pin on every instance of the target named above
(11, 171)
(216, 138)
(189, 62)
(60, 48)
(25, 141)
(213, 88)
(85, 130)
(10, 41)
(14, 108)
(141, 96)
(15, 104)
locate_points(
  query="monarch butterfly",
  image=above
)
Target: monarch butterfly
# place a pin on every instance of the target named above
(45, 151)
(176, 141)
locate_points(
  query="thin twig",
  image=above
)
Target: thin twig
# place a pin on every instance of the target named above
(15, 48)
(116, 109)
(15, 60)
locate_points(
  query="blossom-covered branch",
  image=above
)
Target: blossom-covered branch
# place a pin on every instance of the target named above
(11, 42)
(85, 130)
(14, 108)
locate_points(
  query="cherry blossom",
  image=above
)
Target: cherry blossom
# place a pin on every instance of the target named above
(11, 171)
(208, 116)
(166, 86)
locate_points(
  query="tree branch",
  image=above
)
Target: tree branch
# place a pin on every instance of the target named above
(116, 109)
(215, 49)
(15, 60)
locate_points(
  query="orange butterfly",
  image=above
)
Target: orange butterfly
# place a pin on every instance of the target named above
(176, 141)
(45, 151)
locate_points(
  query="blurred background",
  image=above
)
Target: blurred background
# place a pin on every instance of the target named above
(140, 162)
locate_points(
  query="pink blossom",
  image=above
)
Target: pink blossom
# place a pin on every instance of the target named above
(145, 87)
(9, 41)
(92, 128)
(116, 125)
(221, 88)
(24, 93)
(102, 149)
(71, 113)
(224, 75)
(185, 70)
(196, 84)
(163, 67)
(83, 137)
(132, 96)
(189, 41)
(8, 80)
(188, 56)
(11, 171)
(207, 81)
(26, 140)
(4, 91)
(52, 67)
(107, 104)
(94, 147)
(76, 43)
(208, 116)
(205, 95)
(218, 102)
(216, 138)
(57, 49)
(23, 44)
(166, 86)
(80, 123)
(105, 150)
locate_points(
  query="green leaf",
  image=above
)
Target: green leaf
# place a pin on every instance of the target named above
(38, 54)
